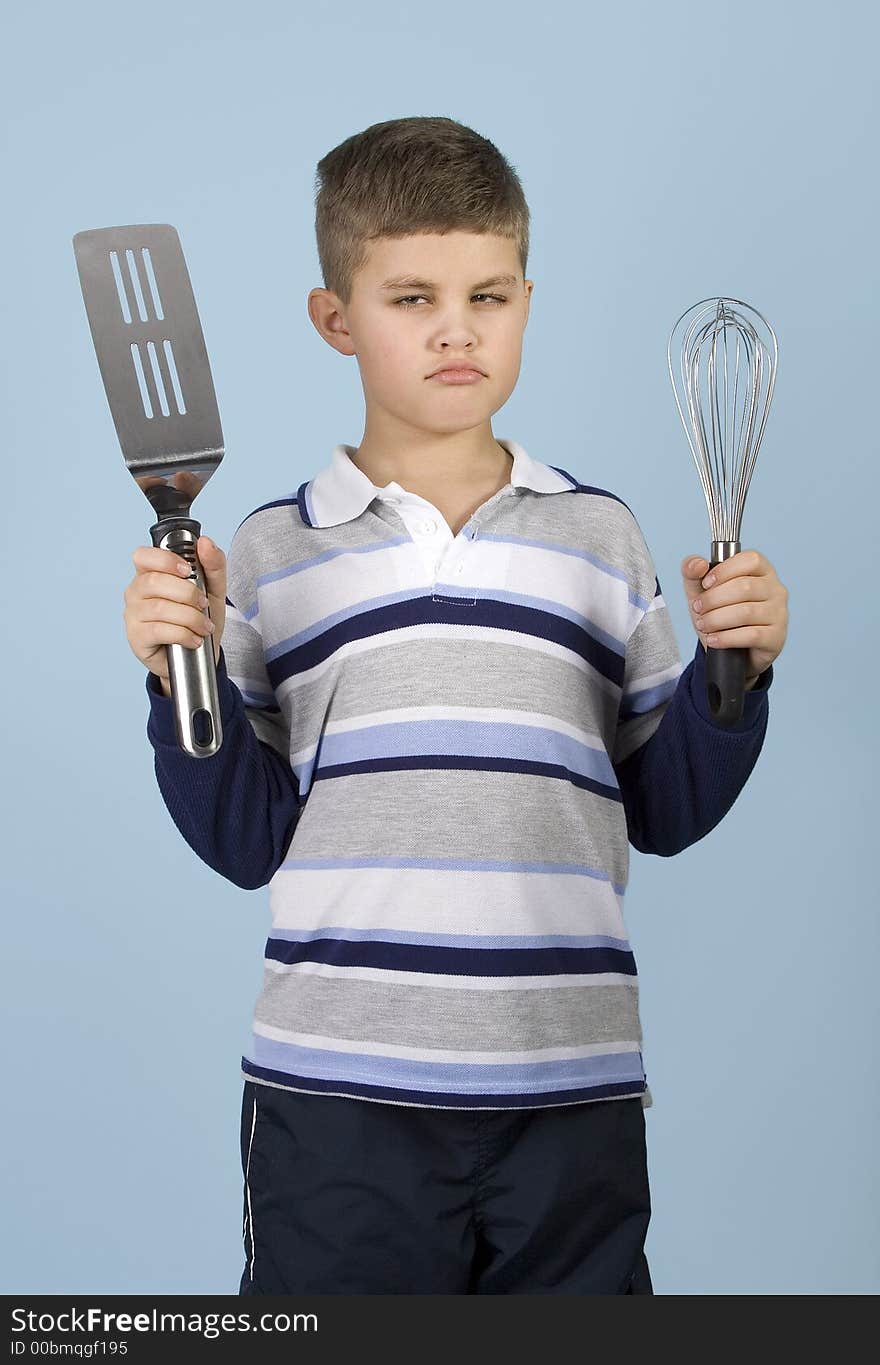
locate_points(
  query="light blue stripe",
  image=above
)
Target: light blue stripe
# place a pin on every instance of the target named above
(634, 703)
(258, 699)
(452, 940)
(475, 738)
(302, 565)
(485, 1078)
(303, 772)
(641, 602)
(449, 865)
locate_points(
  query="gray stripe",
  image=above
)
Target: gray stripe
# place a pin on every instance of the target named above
(468, 673)
(461, 814)
(409, 1016)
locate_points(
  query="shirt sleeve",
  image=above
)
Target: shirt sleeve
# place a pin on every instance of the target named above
(678, 771)
(651, 672)
(243, 646)
(237, 808)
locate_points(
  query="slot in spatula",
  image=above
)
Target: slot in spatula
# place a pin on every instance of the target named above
(154, 364)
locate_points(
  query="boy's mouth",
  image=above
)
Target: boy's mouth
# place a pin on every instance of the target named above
(462, 375)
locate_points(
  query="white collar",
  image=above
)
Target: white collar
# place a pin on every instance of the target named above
(341, 491)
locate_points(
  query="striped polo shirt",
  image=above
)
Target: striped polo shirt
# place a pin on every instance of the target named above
(437, 750)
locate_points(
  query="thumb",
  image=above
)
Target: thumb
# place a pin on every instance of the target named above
(693, 571)
(213, 562)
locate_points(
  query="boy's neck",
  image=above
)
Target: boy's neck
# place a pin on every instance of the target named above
(426, 463)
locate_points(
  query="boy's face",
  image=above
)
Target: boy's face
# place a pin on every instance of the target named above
(445, 310)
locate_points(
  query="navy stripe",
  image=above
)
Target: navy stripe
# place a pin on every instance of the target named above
(565, 475)
(488, 612)
(445, 1098)
(476, 763)
(442, 961)
(589, 488)
(301, 502)
(279, 502)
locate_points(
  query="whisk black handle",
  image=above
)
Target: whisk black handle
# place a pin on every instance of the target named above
(725, 668)
(726, 684)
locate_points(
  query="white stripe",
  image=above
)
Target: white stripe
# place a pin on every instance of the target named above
(253, 686)
(412, 899)
(317, 593)
(645, 681)
(248, 1188)
(233, 613)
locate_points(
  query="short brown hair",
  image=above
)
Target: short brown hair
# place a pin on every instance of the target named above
(408, 175)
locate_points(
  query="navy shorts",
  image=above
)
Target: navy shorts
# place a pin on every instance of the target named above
(347, 1196)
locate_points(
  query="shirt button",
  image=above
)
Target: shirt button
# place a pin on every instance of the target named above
(429, 527)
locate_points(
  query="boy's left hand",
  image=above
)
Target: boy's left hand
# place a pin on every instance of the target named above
(746, 606)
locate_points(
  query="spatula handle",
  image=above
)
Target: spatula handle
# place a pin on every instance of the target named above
(192, 672)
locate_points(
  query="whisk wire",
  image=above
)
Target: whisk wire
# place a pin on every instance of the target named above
(700, 450)
(727, 378)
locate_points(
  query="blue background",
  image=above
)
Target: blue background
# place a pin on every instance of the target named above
(668, 153)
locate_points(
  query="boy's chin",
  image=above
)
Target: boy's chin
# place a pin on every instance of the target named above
(443, 424)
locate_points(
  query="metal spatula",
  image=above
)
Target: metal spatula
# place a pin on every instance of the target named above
(153, 360)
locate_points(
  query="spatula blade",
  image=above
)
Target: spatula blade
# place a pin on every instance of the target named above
(152, 356)
(154, 363)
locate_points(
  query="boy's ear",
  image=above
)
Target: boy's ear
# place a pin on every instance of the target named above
(326, 312)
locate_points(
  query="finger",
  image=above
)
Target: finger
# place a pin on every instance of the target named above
(743, 637)
(209, 552)
(692, 570)
(746, 589)
(164, 621)
(213, 562)
(150, 558)
(744, 562)
(158, 633)
(728, 618)
(155, 585)
(694, 566)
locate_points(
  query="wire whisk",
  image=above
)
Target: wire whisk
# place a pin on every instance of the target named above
(727, 372)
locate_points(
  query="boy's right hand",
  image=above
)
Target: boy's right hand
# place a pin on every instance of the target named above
(164, 607)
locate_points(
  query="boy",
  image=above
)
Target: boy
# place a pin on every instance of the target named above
(451, 698)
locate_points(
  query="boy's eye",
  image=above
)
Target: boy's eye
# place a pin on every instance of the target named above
(408, 300)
